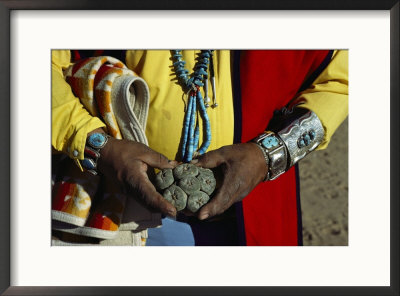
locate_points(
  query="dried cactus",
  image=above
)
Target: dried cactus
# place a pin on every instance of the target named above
(185, 170)
(207, 183)
(164, 179)
(176, 196)
(189, 184)
(186, 186)
(197, 200)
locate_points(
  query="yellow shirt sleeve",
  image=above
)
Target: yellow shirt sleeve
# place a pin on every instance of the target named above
(328, 95)
(70, 121)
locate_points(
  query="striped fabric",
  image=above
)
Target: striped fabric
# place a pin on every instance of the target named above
(80, 205)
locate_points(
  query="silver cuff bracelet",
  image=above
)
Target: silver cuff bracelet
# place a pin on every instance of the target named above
(302, 136)
(285, 148)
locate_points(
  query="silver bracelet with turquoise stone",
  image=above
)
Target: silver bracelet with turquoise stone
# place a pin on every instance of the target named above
(276, 153)
(94, 143)
(286, 147)
(302, 136)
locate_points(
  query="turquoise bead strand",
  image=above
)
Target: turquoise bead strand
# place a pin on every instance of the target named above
(186, 125)
(190, 149)
(207, 126)
(191, 132)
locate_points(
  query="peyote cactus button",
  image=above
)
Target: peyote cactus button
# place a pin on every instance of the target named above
(186, 186)
(204, 171)
(176, 196)
(197, 200)
(207, 183)
(164, 179)
(189, 184)
(185, 169)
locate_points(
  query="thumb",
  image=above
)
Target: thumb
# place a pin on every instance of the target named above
(158, 160)
(210, 159)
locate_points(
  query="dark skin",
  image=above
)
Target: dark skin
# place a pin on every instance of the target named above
(242, 166)
(130, 162)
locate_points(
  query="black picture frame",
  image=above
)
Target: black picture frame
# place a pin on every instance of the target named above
(7, 6)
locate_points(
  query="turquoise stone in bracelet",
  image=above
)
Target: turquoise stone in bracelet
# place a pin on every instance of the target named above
(312, 134)
(306, 139)
(191, 84)
(89, 164)
(94, 143)
(97, 140)
(270, 142)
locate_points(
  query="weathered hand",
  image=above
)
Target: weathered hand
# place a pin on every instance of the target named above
(129, 162)
(243, 167)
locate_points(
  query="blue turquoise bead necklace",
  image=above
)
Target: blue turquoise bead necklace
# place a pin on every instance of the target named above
(195, 105)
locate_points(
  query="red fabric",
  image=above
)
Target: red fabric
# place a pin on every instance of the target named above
(269, 80)
(76, 55)
(60, 191)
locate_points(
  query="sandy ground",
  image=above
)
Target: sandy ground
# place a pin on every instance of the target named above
(324, 193)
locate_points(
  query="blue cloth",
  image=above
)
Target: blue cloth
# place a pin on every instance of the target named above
(171, 233)
(189, 231)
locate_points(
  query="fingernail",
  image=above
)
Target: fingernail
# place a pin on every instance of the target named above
(204, 216)
(172, 162)
(194, 161)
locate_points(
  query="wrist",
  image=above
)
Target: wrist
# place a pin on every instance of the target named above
(264, 161)
(275, 154)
